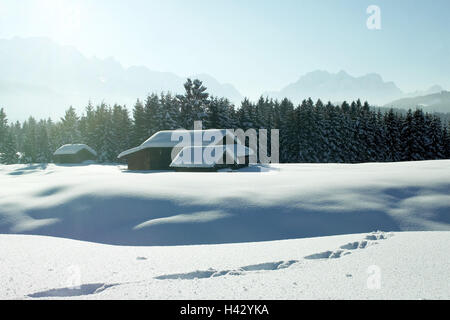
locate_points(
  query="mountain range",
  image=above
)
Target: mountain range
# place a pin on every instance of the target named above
(337, 87)
(435, 102)
(42, 78)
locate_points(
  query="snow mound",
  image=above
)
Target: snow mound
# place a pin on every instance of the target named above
(401, 265)
(108, 204)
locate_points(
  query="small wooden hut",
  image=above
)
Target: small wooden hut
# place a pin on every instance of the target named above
(159, 150)
(74, 153)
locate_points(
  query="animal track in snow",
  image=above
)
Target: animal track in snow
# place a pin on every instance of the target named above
(343, 250)
(82, 290)
(354, 245)
(212, 273)
(346, 249)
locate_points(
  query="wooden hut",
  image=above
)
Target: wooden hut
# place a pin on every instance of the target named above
(211, 158)
(74, 153)
(159, 150)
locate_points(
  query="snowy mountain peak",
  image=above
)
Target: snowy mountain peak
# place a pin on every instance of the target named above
(42, 78)
(338, 87)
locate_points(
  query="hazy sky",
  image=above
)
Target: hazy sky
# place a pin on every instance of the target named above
(256, 45)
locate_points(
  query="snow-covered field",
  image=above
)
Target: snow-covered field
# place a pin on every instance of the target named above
(404, 265)
(167, 235)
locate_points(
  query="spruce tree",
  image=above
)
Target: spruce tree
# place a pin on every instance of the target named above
(30, 143)
(407, 138)
(392, 139)
(8, 153)
(140, 133)
(193, 103)
(419, 136)
(69, 126)
(3, 127)
(168, 112)
(218, 114)
(120, 130)
(283, 118)
(245, 115)
(43, 152)
(152, 114)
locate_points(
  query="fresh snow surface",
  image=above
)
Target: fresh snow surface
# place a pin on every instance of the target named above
(400, 265)
(73, 149)
(299, 231)
(111, 205)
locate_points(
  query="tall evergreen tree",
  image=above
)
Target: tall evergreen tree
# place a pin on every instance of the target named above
(8, 153)
(168, 112)
(43, 152)
(193, 103)
(105, 139)
(246, 115)
(30, 143)
(153, 115)
(69, 125)
(140, 130)
(219, 114)
(120, 130)
(88, 126)
(3, 126)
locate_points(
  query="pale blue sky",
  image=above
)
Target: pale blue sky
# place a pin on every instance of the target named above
(256, 45)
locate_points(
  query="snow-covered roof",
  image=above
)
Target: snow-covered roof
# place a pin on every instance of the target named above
(172, 138)
(208, 156)
(73, 149)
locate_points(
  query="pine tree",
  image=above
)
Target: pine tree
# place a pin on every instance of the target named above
(54, 135)
(434, 138)
(168, 112)
(3, 126)
(140, 133)
(193, 103)
(407, 138)
(153, 115)
(332, 127)
(283, 118)
(87, 126)
(3, 130)
(245, 115)
(8, 147)
(8, 153)
(29, 143)
(69, 126)
(392, 139)
(104, 132)
(218, 114)
(120, 130)
(43, 152)
(446, 141)
(418, 134)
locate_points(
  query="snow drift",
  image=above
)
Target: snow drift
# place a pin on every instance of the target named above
(108, 204)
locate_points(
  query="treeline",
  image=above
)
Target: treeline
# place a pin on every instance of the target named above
(309, 132)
